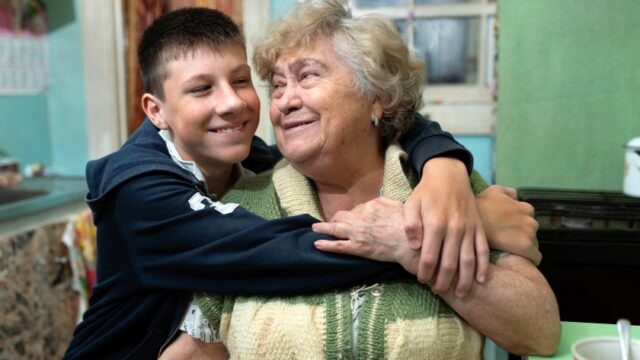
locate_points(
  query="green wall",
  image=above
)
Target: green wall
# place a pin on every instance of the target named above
(24, 128)
(50, 128)
(67, 109)
(569, 95)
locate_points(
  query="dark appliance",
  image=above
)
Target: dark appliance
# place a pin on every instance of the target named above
(590, 243)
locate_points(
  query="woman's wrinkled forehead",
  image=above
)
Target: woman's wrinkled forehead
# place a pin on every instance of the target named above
(301, 54)
(289, 49)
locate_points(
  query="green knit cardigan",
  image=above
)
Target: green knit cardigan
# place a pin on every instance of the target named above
(396, 320)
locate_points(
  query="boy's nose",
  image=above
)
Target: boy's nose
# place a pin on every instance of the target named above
(228, 102)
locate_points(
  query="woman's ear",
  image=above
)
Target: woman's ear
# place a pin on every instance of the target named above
(152, 106)
(377, 109)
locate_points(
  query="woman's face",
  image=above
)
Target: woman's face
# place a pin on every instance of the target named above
(315, 110)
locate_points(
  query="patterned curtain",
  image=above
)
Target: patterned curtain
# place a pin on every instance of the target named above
(138, 15)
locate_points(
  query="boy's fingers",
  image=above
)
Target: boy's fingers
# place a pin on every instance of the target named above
(430, 253)
(413, 223)
(448, 261)
(482, 255)
(466, 266)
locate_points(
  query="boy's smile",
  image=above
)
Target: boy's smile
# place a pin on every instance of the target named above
(210, 106)
(229, 130)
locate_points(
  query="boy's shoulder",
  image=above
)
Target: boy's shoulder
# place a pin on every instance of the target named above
(145, 151)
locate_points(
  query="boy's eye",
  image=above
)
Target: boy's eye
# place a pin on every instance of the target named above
(200, 89)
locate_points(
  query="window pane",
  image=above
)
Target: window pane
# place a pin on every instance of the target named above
(450, 48)
(432, 2)
(492, 51)
(401, 25)
(378, 3)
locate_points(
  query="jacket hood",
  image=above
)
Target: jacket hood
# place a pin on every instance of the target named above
(143, 152)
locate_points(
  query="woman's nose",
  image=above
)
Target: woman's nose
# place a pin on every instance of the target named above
(290, 99)
(228, 102)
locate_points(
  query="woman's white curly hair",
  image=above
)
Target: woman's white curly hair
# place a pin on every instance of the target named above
(383, 67)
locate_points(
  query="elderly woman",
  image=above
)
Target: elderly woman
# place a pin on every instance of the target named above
(343, 91)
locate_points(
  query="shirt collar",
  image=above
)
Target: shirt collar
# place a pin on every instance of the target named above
(238, 172)
(188, 165)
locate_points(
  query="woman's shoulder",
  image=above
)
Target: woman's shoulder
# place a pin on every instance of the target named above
(257, 182)
(256, 194)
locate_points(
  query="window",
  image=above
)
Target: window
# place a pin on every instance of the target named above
(456, 39)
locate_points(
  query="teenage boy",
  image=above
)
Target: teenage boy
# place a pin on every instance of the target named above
(161, 233)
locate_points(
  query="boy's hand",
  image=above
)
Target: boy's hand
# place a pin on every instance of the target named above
(442, 221)
(509, 223)
(374, 230)
(186, 347)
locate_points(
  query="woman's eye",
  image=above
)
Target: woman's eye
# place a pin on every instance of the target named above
(308, 75)
(242, 81)
(277, 88)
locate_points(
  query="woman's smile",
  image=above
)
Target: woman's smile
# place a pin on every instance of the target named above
(293, 127)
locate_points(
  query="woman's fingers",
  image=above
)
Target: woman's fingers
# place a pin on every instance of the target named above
(338, 230)
(337, 246)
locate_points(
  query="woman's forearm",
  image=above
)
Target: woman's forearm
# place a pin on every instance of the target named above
(515, 308)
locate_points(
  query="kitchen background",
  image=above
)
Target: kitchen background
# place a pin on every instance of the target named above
(545, 93)
(566, 100)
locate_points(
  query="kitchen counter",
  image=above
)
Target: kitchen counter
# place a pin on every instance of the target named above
(61, 196)
(574, 331)
(44, 224)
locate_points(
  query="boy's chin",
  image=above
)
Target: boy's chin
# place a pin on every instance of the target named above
(234, 156)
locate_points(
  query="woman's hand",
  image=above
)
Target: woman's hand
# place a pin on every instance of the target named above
(509, 223)
(373, 230)
(443, 222)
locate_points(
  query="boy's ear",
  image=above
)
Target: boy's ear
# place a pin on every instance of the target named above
(152, 106)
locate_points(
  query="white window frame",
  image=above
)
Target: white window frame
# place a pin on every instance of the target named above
(255, 18)
(466, 109)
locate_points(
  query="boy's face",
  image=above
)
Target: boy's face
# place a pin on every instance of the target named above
(210, 106)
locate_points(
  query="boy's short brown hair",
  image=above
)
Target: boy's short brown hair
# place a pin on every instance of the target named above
(178, 33)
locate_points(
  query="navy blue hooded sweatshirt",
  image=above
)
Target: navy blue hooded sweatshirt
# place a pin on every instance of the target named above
(155, 247)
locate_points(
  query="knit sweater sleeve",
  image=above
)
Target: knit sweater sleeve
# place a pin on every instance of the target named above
(478, 184)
